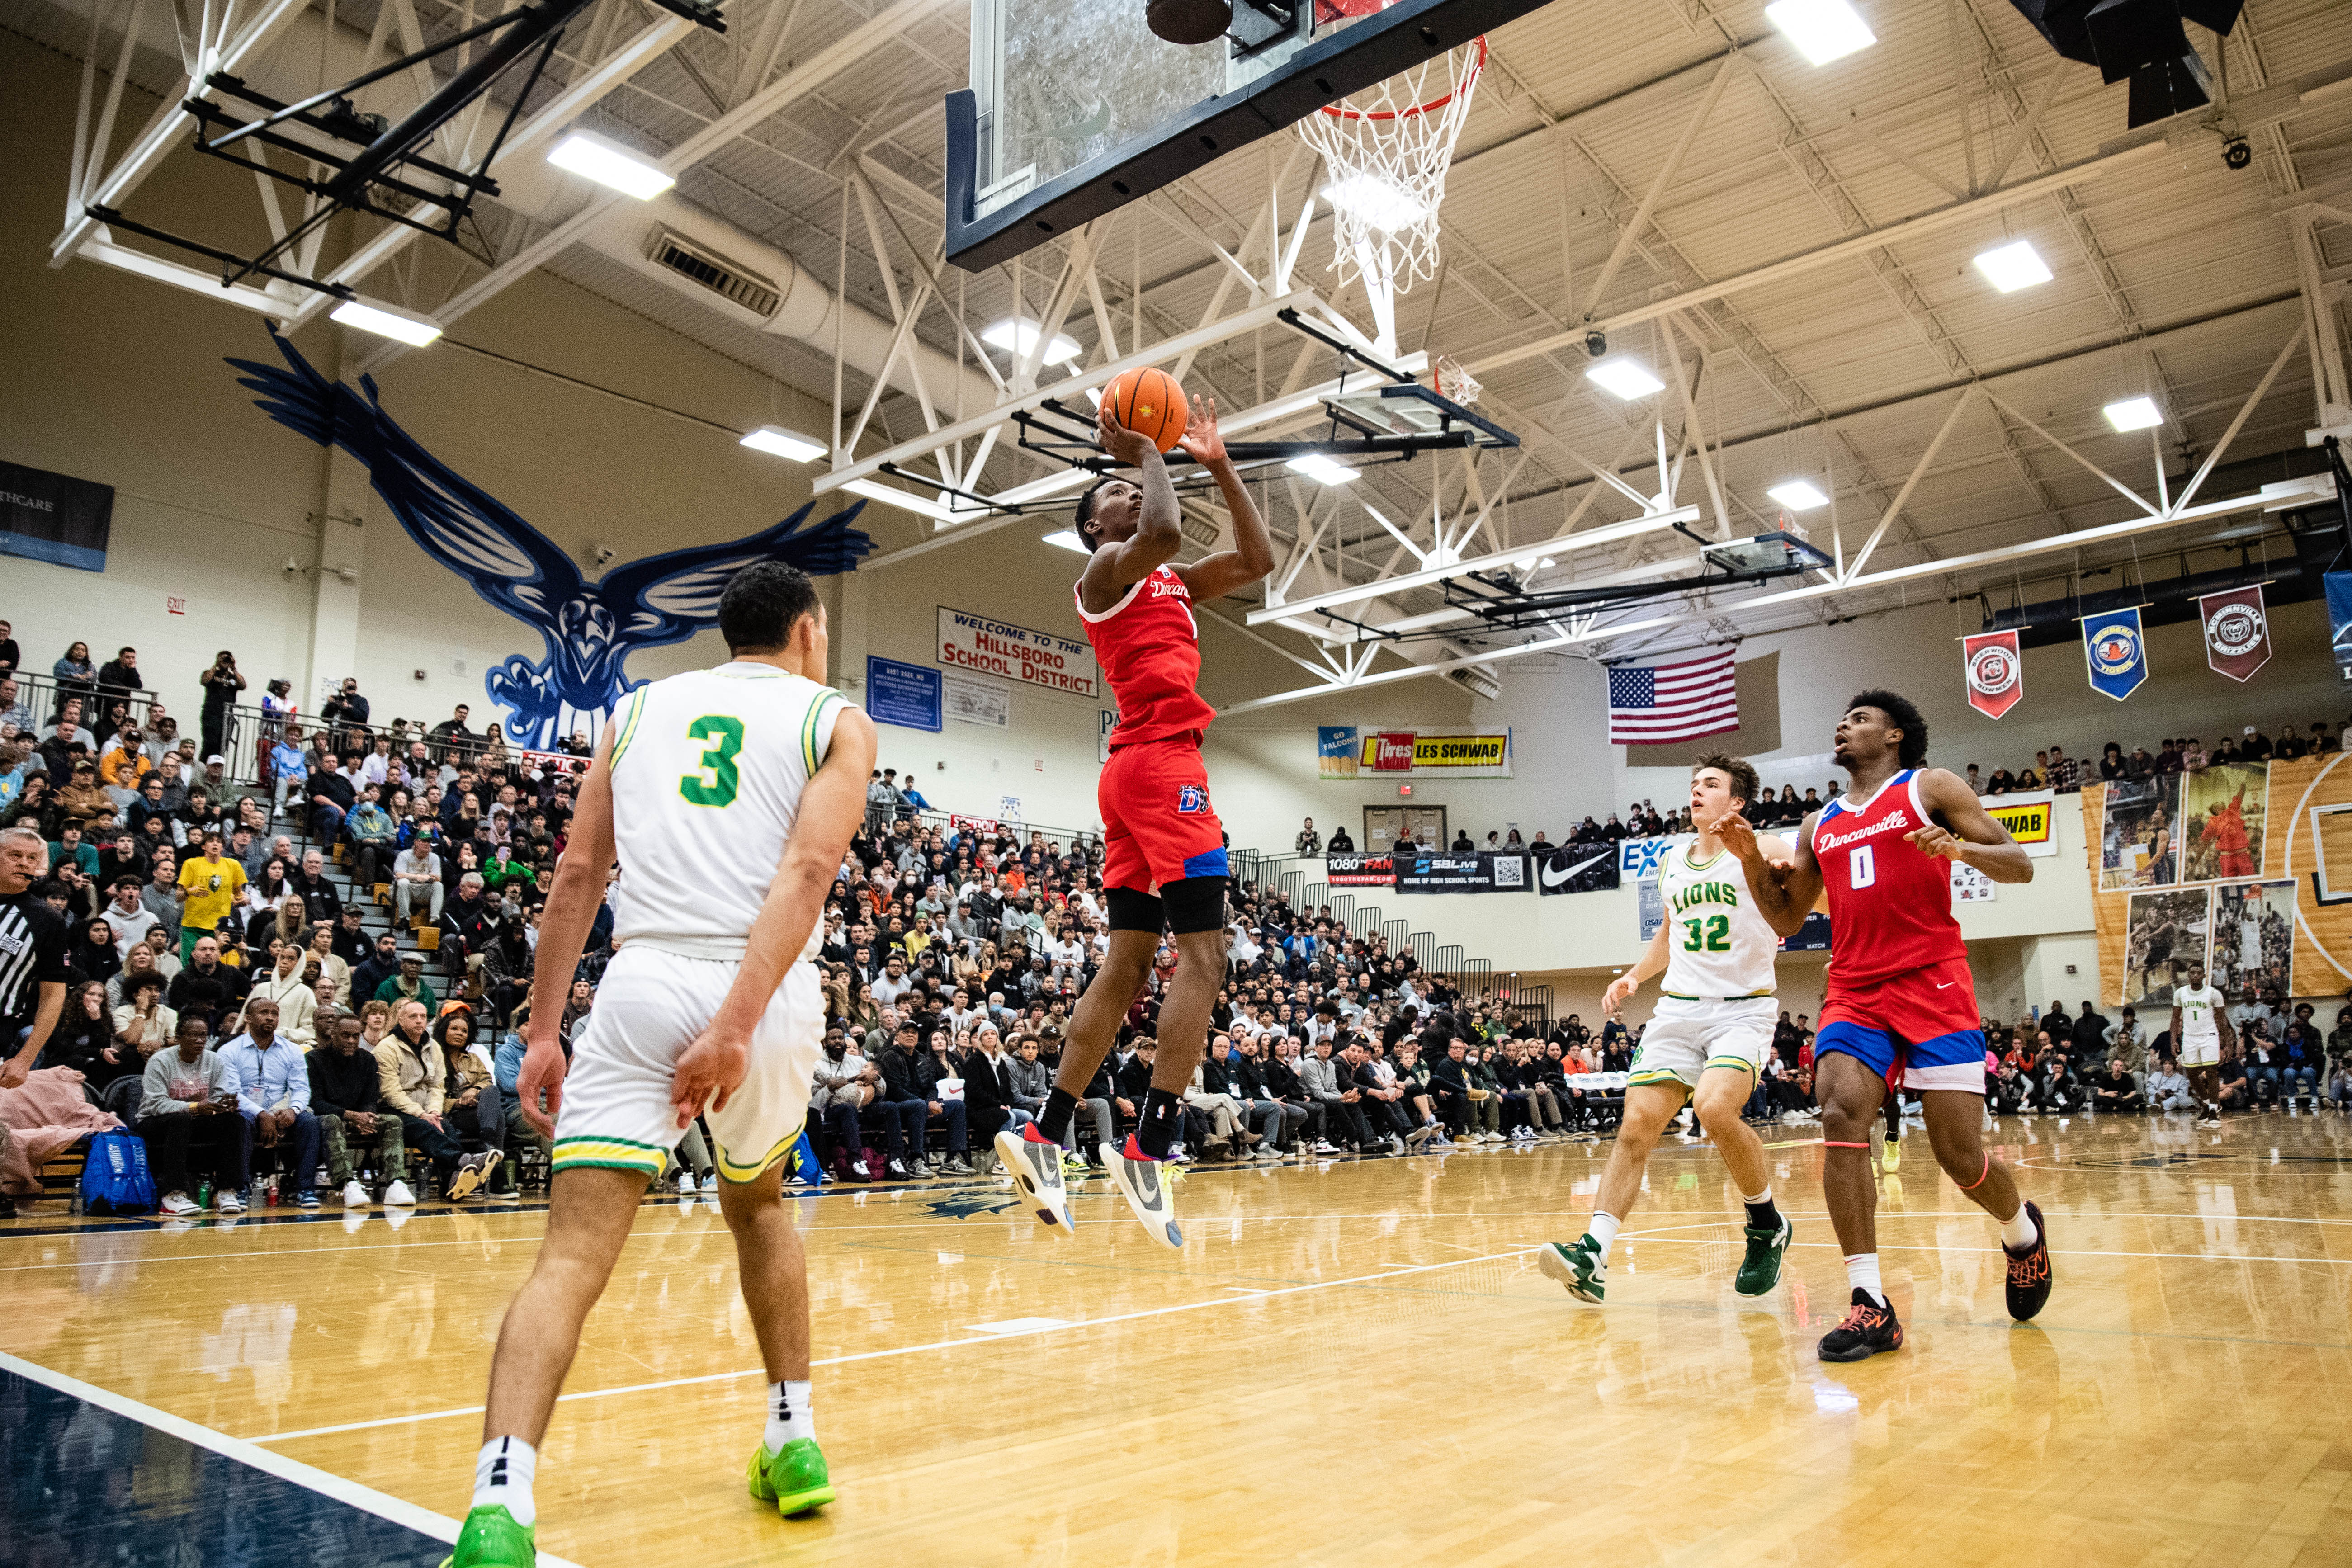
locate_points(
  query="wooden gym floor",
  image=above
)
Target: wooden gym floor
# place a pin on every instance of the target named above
(1350, 1363)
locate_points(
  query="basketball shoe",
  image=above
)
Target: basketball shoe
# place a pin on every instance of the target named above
(796, 1479)
(491, 1539)
(1580, 1268)
(1760, 1270)
(1035, 1163)
(1868, 1329)
(1138, 1176)
(2029, 1271)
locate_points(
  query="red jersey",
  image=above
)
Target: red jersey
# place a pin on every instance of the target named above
(1149, 650)
(2225, 830)
(1890, 903)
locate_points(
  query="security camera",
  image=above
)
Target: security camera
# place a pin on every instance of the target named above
(1596, 342)
(2238, 152)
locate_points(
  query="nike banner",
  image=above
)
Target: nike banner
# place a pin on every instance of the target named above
(1358, 871)
(1578, 868)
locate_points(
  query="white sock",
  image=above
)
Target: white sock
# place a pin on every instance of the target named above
(502, 1478)
(2017, 1232)
(1603, 1229)
(1862, 1274)
(792, 1415)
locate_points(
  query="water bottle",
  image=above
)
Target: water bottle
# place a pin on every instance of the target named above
(205, 1193)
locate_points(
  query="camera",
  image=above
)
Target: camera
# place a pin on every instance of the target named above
(2238, 152)
(1596, 342)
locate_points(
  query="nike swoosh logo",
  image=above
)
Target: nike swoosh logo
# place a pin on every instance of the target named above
(1946, 984)
(1552, 881)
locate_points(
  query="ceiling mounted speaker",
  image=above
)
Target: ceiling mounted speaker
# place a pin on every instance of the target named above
(2221, 15)
(2129, 34)
(2166, 88)
(2139, 41)
(2060, 23)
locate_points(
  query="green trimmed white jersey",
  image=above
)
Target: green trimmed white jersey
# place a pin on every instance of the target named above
(1718, 945)
(2200, 1032)
(708, 770)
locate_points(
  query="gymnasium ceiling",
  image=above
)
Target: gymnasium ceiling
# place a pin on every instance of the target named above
(2175, 277)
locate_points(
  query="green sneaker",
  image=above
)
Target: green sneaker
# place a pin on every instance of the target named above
(795, 1480)
(1760, 1270)
(1579, 1267)
(491, 1539)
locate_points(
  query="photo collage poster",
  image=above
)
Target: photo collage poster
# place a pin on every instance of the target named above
(2242, 932)
(2166, 934)
(2205, 826)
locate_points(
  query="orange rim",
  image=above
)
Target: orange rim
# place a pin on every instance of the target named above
(1340, 112)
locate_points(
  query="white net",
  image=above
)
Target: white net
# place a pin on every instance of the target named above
(1387, 152)
(1456, 382)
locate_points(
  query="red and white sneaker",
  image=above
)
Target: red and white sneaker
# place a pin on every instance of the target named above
(1035, 1163)
(1138, 1176)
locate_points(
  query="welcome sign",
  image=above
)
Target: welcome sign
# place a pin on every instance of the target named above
(988, 646)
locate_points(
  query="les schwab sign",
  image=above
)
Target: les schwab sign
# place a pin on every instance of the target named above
(986, 646)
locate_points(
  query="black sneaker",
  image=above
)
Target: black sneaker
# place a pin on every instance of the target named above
(1868, 1329)
(2029, 1271)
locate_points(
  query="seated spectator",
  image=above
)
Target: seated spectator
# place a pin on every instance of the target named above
(273, 1095)
(2113, 1088)
(188, 1114)
(346, 1097)
(509, 1076)
(206, 987)
(416, 882)
(2168, 1087)
(297, 1003)
(408, 984)
(470, 1102)
(411, 1077)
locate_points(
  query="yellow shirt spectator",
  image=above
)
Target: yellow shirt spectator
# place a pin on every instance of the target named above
(212, 884)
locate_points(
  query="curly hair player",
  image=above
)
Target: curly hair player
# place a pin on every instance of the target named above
(1165, 854)
(1901, 1008)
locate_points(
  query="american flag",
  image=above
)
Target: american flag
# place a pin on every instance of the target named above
(1650, 703)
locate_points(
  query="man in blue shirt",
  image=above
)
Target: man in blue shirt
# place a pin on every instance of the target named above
(287, 768)
(273, 1095)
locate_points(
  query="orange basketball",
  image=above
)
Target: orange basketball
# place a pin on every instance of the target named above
(1150, 402)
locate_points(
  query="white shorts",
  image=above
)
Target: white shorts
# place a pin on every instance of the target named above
(616, 1097)
(1683, 1038)
(2202, 1053)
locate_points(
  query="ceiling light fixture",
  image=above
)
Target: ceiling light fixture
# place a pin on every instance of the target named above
(1822, 30)
(1322, 470)
(1018, 337)
(1625, 378)
(387, 322)
(2015, 265)
(1383, 204)
(2134, 414)
(1798, 495)
(888, 496)
(1068, 538)
(608, 164)
(783, 443)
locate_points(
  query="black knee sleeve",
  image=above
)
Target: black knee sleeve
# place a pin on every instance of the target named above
(1131, 910)
(1194, 904)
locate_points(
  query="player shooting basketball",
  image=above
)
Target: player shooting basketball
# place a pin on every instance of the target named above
(1164, 865)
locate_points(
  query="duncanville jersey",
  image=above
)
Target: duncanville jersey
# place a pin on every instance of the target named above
(1890, 904)
(708, 770)
(2198, 1011)
(1718, 945)
(1150, 653)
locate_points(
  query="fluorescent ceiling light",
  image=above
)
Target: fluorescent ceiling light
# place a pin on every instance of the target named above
(888, 496)
(387, 322)
(1628, 379)
(1018, 337)
(1322, 470)
(1798, 495)
(1822, 30)
(1383, 204)
(784, 443)
(1052, 484)
(1531, 563)
(1068, 538)
(2015, 265)
(2134, 414)
(609, 164)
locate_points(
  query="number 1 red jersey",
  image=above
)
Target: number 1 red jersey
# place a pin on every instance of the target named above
(1890, 903)
(1149, 650)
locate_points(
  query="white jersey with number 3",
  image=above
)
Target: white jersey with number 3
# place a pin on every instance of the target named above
(1719, 944)
(706, 771)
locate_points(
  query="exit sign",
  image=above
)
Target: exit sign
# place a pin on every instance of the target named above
(1404, 792)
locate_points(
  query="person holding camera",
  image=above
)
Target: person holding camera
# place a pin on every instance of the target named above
(222, 683)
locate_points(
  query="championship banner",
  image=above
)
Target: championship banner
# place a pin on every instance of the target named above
(2237, 632)
(1578, 868)
(2028, 819)
(1996, 676)
(2339, 618)
(1481, 871)
(1358, 871)
(2115, 652)
(1344, 752)
(984, 646)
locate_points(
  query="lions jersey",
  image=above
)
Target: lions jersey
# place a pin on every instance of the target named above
(708, 770)
(1718, 945)
(2198, 1009)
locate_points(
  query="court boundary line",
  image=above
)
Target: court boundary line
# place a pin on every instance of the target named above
(342, 1488)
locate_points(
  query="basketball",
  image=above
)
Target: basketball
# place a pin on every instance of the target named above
(1150, 402)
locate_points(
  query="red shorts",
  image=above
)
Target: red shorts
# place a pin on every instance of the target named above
(1158, 827)
(2236, 863)
(1919, 1030)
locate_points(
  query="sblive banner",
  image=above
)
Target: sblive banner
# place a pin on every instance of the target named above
(1578, 868)
(1996, 676)
(2236, 631)
(2115, 652)
(2028, 819)
(1358, 871)
(986, 646)
(1346, 752)
(1481, 871)
(48, 516)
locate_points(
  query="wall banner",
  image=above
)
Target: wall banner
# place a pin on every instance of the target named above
(1358, 871)
(2236, 631)
(49, 516)
(981, 646)
(1477, 872)
(906, 695)
(971, 701)
(2115, 652)
(2339, 618)
(1640, 859)
(1996, 676)
(1345, 751)
(2027, 818)
(1578, 868)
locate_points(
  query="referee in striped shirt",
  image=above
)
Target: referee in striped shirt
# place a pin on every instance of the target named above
(32, 965)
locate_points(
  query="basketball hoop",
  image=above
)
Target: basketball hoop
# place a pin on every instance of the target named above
(1456, 383)
(1387, 153)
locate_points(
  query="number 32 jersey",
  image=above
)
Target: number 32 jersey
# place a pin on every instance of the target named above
(707, 769)
(1719, 946)
(1890, 904)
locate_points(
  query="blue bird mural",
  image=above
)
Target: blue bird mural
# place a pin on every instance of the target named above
(589, 629)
